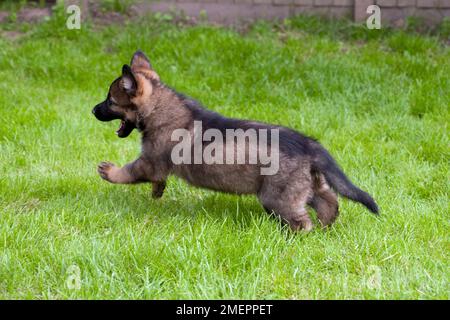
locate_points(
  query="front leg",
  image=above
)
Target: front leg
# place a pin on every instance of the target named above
(133, 172)
(158, 189)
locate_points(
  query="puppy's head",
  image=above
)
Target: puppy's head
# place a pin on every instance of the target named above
(128, 95)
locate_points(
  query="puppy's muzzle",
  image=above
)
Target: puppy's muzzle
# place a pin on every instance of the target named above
(103, 113)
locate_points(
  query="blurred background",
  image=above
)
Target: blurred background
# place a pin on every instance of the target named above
(422, 14)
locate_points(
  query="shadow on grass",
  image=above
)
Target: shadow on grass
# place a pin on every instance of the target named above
(91, 196)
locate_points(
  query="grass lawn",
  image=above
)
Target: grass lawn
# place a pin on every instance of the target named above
(377, 100)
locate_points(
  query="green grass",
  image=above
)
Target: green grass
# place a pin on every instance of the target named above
(379, 103)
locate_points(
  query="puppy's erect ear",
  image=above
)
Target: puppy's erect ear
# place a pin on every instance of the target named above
(128, 81)
(140, 61)
(141, 64)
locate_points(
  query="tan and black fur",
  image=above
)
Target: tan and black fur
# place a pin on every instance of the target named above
(307, 173)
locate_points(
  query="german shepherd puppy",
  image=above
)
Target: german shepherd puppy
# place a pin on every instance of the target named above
(307, 173)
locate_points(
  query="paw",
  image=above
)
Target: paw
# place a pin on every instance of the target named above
(106, 171)
(156, 194)
(301, 223)
(307, 226)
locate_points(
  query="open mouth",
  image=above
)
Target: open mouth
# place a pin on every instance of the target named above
(121, 128)
(102, 113)
(124, 129)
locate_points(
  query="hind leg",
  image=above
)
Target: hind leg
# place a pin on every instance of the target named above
(289, 203)
(324, 201)
(326, 208)
(294, 214)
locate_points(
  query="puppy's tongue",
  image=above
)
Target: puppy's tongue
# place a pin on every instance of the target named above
(122, 126)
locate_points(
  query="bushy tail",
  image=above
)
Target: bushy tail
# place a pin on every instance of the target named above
(324, 163)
